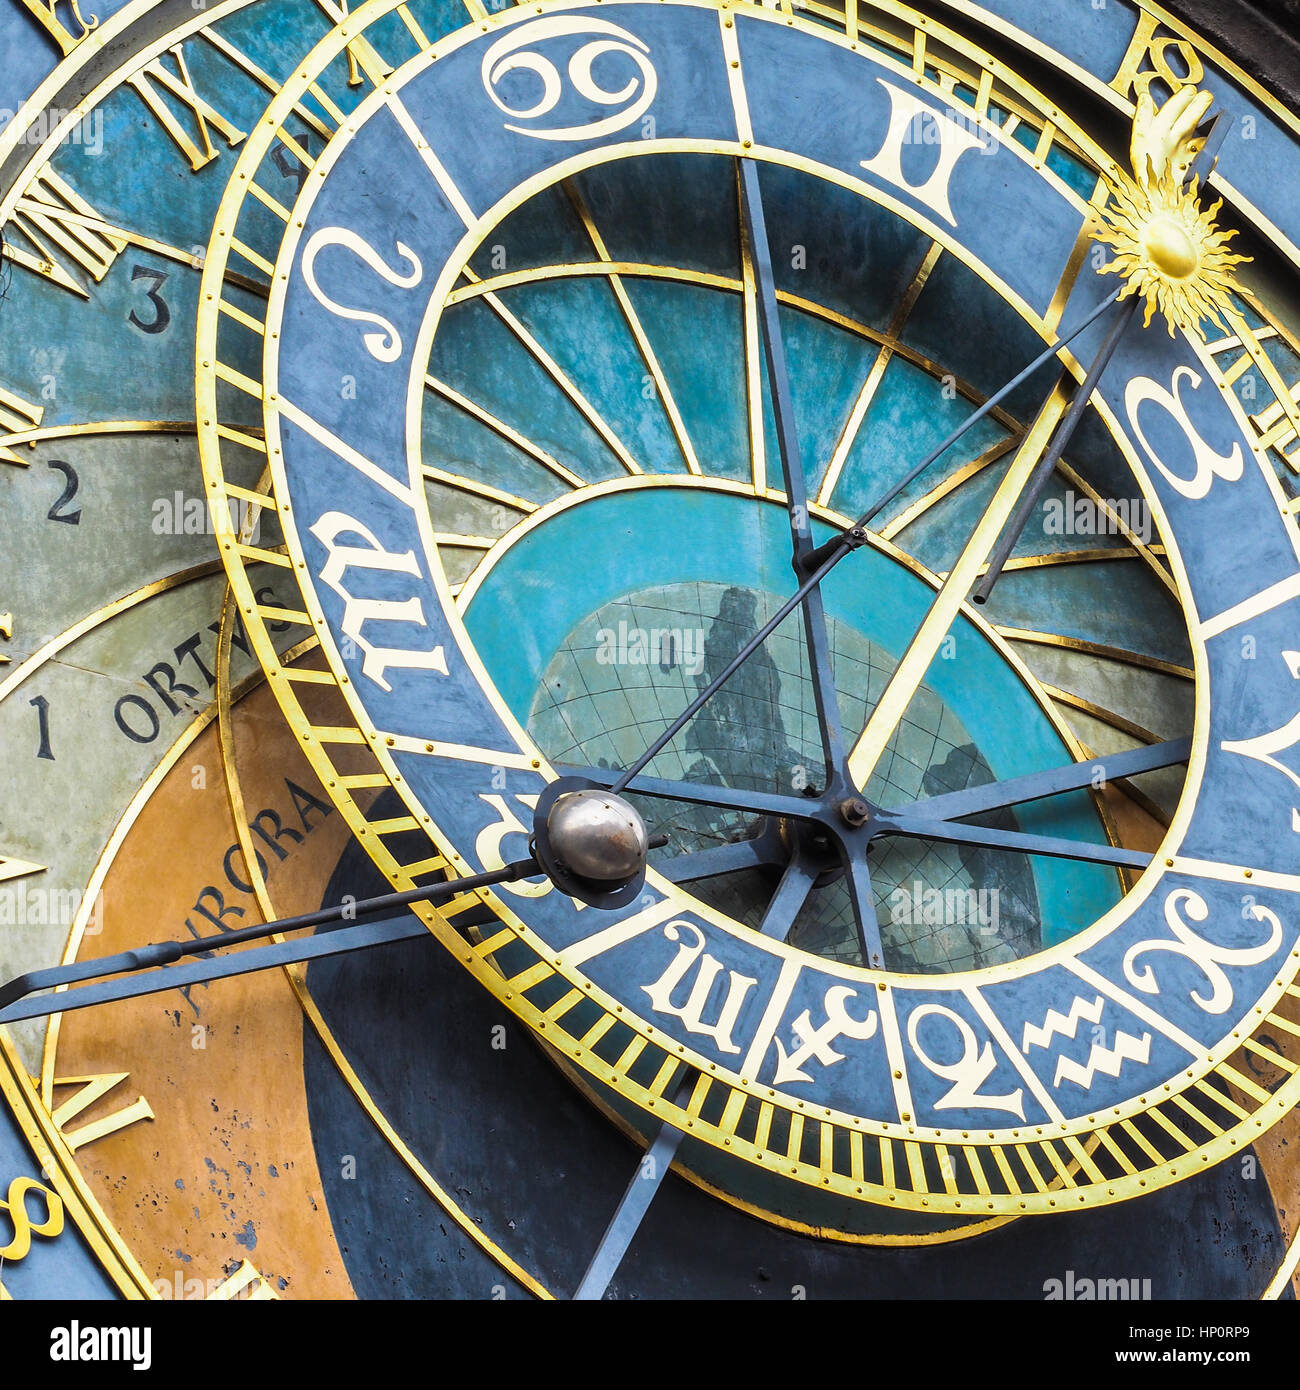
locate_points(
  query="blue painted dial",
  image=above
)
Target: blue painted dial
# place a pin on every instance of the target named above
(1137, 999)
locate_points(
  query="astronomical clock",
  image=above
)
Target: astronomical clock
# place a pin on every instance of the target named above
(650, 649)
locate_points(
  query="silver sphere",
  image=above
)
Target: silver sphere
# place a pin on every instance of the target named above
(598, 836)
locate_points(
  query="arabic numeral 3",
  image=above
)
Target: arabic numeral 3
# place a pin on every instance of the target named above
(162, 314)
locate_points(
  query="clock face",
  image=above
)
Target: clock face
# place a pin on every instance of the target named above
(430, 404)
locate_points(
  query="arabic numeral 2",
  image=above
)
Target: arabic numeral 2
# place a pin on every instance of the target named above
(71, 483)
(162, 314)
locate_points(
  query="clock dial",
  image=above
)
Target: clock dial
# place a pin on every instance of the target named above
(882, 1061)
(957, 909)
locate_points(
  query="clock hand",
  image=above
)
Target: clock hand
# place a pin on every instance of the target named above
(1030, 468)
(1047, 464)
(814, 617)
(828, 555)
(853, 536)
(755, 803)
(166, 953)
(567, 830)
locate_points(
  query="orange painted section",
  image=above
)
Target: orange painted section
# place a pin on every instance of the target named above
(226, 1170)
(1279, 1149)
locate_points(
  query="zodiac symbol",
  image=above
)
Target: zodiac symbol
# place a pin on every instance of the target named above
(386, 345)
(816, 1042)
(504, 57)
(709, 968)
(1204, 954)
(1107, 1060)
(24, 1227)
(969, 1072)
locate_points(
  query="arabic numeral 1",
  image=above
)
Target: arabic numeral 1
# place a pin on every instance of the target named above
(42, 706)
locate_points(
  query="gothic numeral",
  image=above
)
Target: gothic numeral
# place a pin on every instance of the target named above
(47, 13)
(21, 1219)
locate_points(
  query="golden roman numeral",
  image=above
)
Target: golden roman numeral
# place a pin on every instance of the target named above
(178, 85)
(361, 53)
(91, 1089)
(56, 220)
(46, 12)
(245, 1277)
(16, 415)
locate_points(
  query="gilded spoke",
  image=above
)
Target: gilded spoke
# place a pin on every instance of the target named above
(910, 672)
(560, 377)
(1071, 557)
(875, 374)
(637, 329)
(1078, 644)
(943, 489)
(507, 432)
(479, 288)
(477, 489)
(1107, 716)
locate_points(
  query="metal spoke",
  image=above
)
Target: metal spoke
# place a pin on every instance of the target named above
(857, 877)
(699, 793)
(1055, 847)
(641, 1191)
(819, 563)
(993, 796)
(791, 894)
(720, 859)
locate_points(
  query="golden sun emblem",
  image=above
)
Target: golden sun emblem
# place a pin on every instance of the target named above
(1166, 245)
